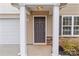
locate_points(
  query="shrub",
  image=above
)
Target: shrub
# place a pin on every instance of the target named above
(71, 48)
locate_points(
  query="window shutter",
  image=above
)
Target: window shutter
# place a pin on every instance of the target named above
(60, 21)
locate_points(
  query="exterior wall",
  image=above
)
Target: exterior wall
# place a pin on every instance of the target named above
(13, 49)
(43, 50)
(9, 49)
(9, 35)
(38, 50)
(70, 9)
(7, 8)
(8, 11)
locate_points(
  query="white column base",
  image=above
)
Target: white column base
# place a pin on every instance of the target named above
(19, 54)
(55, 55)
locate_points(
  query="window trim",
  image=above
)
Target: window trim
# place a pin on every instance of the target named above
(45, 29)
(72, 29)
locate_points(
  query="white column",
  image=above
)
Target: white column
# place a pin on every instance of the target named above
(23, 29)
(55, 30)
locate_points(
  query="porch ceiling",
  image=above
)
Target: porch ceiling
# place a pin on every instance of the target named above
(41, 8)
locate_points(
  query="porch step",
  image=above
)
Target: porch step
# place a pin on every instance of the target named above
(49, 40)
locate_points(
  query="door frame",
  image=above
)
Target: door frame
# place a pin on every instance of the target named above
(45, 29)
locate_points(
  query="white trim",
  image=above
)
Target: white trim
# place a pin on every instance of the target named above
(70, 15)
(45, 29)
(69, 36)
(62, 26)
(72, 29)
(9, 16)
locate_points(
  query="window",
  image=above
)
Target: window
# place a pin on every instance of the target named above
(70, 25)
(76, 25)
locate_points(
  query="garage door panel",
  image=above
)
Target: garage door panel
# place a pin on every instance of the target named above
(9, 31)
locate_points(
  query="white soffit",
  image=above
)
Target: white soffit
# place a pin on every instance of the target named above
(12, 8)
(33, 6)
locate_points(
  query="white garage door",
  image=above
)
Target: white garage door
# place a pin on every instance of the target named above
(9, 31)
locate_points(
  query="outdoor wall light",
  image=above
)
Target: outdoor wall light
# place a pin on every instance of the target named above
(39, 8)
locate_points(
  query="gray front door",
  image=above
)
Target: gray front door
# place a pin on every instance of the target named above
(39, 29)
